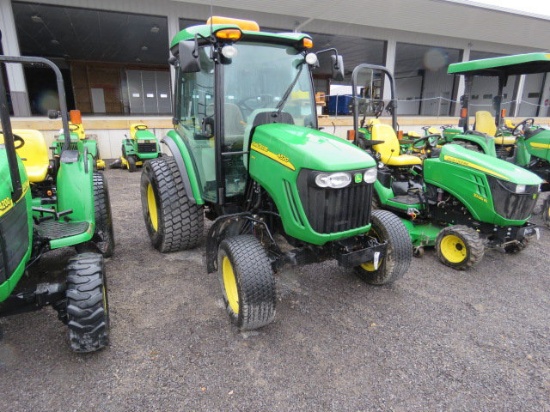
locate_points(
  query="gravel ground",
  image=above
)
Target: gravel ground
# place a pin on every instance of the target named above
(437, 339)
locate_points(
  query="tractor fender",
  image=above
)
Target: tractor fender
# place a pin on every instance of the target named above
(186, 169)
(223, 227)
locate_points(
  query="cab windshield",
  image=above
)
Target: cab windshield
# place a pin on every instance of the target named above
(259, 78)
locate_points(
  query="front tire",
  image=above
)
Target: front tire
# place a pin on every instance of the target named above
(459, 247)
(247, 281)
(173, 222)
(388, 227)
(131, 164)
(87, 303)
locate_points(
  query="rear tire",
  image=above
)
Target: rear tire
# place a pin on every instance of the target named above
(104, 236)
(459, 247)
(247, 281)
(173, 222)
(87, 303)
(388, 227)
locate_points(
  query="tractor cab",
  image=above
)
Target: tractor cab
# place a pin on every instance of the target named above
(219, 106)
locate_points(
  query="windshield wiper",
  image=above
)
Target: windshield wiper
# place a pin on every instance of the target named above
(289, 90)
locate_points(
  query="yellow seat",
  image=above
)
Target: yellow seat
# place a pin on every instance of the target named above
(390, 150)
(135, 127)
(34, 154)
(485, 123)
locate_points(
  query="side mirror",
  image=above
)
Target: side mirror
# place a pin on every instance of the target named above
(188, 56)
(337, 67)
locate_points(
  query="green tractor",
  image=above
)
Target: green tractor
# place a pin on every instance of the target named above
(455, 199)
(524, 144)
(248, 155)
(79, 139)
(141, 146)
(47, 205)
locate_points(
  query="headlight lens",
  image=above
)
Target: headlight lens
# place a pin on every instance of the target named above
(336, 180)
(520, 188)
(370, 175)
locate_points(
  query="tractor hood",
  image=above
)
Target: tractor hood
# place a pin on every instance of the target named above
(297, 147)
(452, 153)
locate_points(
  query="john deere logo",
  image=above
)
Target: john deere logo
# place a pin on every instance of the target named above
(358, 177)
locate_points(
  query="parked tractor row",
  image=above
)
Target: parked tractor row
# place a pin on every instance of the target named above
(246, 153)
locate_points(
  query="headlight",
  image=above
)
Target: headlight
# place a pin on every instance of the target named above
(520, 188)
(370, 175)
(336, 180)
(229, 51)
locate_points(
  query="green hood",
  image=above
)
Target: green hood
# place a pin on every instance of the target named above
(299, 147)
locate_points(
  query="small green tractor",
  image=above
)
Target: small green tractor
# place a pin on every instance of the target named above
(141, 146)
(455, 199)
(524, 144)
(47, 205)
(248, 155)
(79, 139)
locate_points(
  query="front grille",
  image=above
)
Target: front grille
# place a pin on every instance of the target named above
(14, 239)
(511, 205)
(335, 210)
(147, 147)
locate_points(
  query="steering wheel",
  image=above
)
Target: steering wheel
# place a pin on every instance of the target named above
(252, 103)
(522, 126)
(378, 108)
(18, 141)
(425, 142)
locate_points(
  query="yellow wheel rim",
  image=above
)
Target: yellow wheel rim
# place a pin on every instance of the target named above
(369, 266)
(453, 249)
(152, 206)
(230, 285)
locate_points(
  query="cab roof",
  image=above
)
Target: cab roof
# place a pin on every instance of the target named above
(205, 30)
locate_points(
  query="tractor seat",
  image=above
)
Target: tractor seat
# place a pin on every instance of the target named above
(34, 154)
(485, 123)
(389, 151)
(135, 128)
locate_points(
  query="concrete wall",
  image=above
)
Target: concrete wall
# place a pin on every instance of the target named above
(110, 131)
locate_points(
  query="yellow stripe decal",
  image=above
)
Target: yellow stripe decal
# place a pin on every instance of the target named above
(279, 158)
(7, 204)
(540, 145)
(473, 166)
